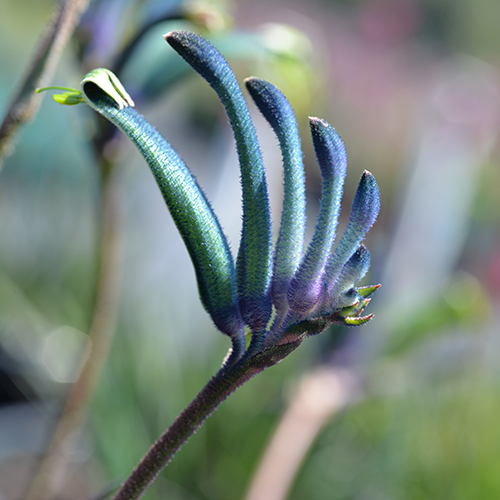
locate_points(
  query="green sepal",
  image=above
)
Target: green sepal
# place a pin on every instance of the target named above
(362, 306)
(348, 316)
(104, 79)
(349, 309)
(358, 320)
(366, 291)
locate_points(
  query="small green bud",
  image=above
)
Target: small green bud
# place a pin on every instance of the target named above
(69, 98)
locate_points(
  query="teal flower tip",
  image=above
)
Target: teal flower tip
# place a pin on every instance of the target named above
(366, 203)
(364, 211)
(273, 105)
(197, 51)
(309, 291)
(329, 148)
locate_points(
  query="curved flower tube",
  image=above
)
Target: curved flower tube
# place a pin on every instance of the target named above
(364, 211)
(191, 211)
(307, 285)
(254, 263)
(309, 291)
(315, 288)
(290, 244)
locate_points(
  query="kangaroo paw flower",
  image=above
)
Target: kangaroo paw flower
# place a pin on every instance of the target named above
(309, 290)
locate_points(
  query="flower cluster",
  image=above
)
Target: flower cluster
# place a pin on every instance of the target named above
(283, 294)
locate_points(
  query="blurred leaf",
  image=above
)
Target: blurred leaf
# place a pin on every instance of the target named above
(463, 302)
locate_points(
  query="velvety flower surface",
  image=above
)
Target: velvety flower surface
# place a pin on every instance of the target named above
(280, 294)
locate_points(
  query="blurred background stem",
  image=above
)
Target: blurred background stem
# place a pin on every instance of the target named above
(321, 395)
(25, 104)
(53, 466)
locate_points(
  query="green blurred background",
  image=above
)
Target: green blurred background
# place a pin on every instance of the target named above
(413, 88)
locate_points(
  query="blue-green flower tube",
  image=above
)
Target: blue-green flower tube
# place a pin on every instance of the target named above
(254, 262)
(192, 213)
(364, 211)
(353, 271)
(290, 244)
(306, 288)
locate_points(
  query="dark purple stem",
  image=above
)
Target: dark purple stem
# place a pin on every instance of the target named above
(226, 381)
(184, 426)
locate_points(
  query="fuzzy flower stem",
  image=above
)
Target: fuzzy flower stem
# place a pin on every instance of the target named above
(225, 382)
(186, 424)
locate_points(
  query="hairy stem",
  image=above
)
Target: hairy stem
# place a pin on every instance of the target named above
(185, 425)
(53, 466)
(226, 381)
(25, 103)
